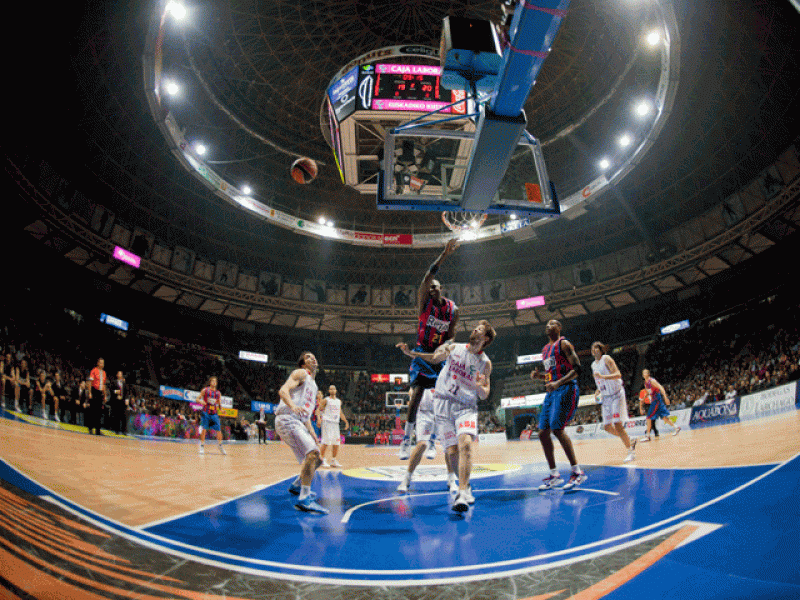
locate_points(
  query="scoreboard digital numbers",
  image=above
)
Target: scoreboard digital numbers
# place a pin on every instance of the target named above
(406, 88)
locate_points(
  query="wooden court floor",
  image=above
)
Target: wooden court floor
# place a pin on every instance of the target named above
(137, 482)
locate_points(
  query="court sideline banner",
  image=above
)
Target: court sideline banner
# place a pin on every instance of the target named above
(776, 400)
(719, 411)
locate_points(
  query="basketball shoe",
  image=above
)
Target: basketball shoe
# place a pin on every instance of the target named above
(575, 480)
(202, 449)
(551, 482)
(324, 463)
(677, 431)
(309, 504)
(403, 487)
(405, 448)
(430, 453)
(460, 503)
(335, 463)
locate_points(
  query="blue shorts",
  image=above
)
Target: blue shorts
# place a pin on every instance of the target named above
(657, 408)
(209, 422)
(422, 373)
(559, 406)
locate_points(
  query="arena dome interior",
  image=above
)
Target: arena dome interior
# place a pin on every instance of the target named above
(147, 162)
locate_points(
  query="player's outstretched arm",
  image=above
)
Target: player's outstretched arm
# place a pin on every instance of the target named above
(484, 386)
(422, 294)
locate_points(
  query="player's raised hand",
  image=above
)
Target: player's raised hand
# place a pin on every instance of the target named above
(536, 374)
(451, 246)
(403, 348)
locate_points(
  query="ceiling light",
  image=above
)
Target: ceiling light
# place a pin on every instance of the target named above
(330, 223)
(625, 140)
(321, 220)
(200, 148)
(247, 190)
(653, 37)
(172, 88)
(604, 163)
(177, 10)
(642, 108)
(512, 216)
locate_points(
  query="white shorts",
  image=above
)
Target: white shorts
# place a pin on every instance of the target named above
(294, 432)
(331, 436)
(425, 426)
(454, 419)
(615, 408)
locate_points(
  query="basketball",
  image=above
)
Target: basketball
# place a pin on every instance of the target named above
(304, 170)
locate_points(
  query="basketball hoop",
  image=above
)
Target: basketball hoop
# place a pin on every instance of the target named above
(463, 221)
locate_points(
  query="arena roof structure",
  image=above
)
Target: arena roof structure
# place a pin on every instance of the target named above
(704, 181)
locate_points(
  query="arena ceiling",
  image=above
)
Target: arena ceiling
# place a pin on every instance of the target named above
(254, 73)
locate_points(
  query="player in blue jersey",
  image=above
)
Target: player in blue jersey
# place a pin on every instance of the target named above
(561, 370)
(438, 318)
(658, 405)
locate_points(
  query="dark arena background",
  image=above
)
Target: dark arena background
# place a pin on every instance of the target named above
(648, 197)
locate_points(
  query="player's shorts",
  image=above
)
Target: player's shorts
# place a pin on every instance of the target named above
(558, 407)
(426, 423)
(454, 419)
(657, 408)
(423, 374)
(293, 431)
(615, 408)
(209, 422)
(331, 436)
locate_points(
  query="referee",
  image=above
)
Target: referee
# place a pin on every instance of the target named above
(97, 383)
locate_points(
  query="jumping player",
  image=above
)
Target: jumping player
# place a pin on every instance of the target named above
(561, 370)
(293, 424)
(330, 413)
(612, 395)
(438, 318)
(658, 405)
(211, 399)
(460, 384)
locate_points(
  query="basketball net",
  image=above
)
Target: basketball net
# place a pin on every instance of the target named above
(463, 221)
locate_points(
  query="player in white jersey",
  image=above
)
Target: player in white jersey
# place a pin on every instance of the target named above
(425, 430)
(329, 411)
(612, 395)
(460, 384)
(293, 424)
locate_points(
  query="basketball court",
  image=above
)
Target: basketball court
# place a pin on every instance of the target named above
(711, 510)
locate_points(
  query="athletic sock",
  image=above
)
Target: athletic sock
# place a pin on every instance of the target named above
(554, 472)
(305, 490)
(409, 429)
(576, 469)
(297, 481)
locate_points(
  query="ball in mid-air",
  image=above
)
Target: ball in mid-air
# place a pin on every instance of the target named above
(304, 170)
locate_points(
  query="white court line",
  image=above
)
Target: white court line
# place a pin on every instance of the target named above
(252, 490)
(123, 531)
(348, 514)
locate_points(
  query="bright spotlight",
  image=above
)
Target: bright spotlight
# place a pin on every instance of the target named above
(604, 164)
(177, 10)
(247, 190)
(468, 236)
(321, 220)
(172, 88)
(200, 148)
(625, 140)
(653, 37)
(329, 224)
(642, 108)
(512, 216)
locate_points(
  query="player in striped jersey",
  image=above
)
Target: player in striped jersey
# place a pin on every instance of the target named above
(438, 318)
(211, 399)
(561, 370)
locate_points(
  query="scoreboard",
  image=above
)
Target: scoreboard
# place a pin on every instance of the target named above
(393, 87)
